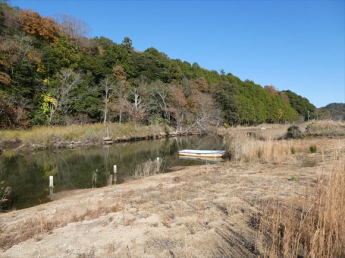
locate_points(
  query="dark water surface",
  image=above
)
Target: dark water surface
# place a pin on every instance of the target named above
(27, 173)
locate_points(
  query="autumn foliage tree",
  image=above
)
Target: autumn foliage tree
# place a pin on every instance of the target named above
(271, 89)
(42, 27)
(11, 116)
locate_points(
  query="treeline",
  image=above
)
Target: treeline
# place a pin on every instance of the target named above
(51, 73)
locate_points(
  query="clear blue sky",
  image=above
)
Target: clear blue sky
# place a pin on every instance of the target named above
(296, 45)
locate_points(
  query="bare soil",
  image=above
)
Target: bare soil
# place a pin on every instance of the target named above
(202, 211)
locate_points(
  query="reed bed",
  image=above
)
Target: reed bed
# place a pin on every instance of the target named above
(310, 226)
(243, 147)
(93, 133)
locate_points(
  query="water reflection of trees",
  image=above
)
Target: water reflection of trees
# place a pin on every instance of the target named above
(28, 173)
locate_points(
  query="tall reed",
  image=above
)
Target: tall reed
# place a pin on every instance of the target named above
(242, 147)
(309, 227)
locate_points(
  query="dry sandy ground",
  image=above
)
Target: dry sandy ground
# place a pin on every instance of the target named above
(203, 211)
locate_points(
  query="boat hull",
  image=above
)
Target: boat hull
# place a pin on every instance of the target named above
(204, 159)
(201, 153)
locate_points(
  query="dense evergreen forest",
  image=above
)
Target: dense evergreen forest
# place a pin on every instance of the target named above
(52, 74)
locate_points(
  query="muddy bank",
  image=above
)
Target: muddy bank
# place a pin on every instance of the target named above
(18, 144)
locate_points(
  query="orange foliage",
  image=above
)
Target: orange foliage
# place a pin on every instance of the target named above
(40, 26)
(12, 116)
(4, 78)
(119, 73)
(177, 97)
(271, 89)
(192, 103)
(201, 84)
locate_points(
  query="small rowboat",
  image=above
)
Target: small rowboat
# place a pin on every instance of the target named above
(202, 153)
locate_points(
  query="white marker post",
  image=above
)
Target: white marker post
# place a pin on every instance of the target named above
(51, 185)
(51, 181)
(115, 174)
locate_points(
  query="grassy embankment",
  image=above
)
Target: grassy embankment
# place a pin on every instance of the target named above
(275, 198)
(91, 134)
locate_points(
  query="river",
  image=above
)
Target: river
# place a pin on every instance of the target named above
(27, 173)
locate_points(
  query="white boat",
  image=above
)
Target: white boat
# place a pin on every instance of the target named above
(202, 153)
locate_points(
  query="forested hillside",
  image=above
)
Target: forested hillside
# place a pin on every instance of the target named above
(336, 111)
(51, 73)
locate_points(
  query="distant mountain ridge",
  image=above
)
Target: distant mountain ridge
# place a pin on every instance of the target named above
(337, 110)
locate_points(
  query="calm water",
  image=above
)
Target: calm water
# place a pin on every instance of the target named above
(28, 173)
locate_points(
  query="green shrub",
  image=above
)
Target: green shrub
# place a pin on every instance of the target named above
(313, 149)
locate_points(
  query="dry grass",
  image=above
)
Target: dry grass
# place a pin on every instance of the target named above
(309, 225)
(313, 226)
(269, 145)
(326, 128)
(263, 131)
(277, 131)
(39, 225)
(46, 137)
(243, 147)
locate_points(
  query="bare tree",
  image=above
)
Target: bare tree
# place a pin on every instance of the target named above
(67, 81)
(159, 94)
(138, 107)
(109, 88)
(75, 29)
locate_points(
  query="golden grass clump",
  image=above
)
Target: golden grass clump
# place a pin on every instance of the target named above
(326, 127)
(242, 147)
(313, 226)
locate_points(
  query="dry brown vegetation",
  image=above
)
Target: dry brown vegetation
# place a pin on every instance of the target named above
(312, 225)
(308, 226)
(243, 147)
(326, 128)
(275, 199)
(57, 136)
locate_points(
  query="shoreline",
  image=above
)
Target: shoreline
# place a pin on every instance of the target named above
(58, 140)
